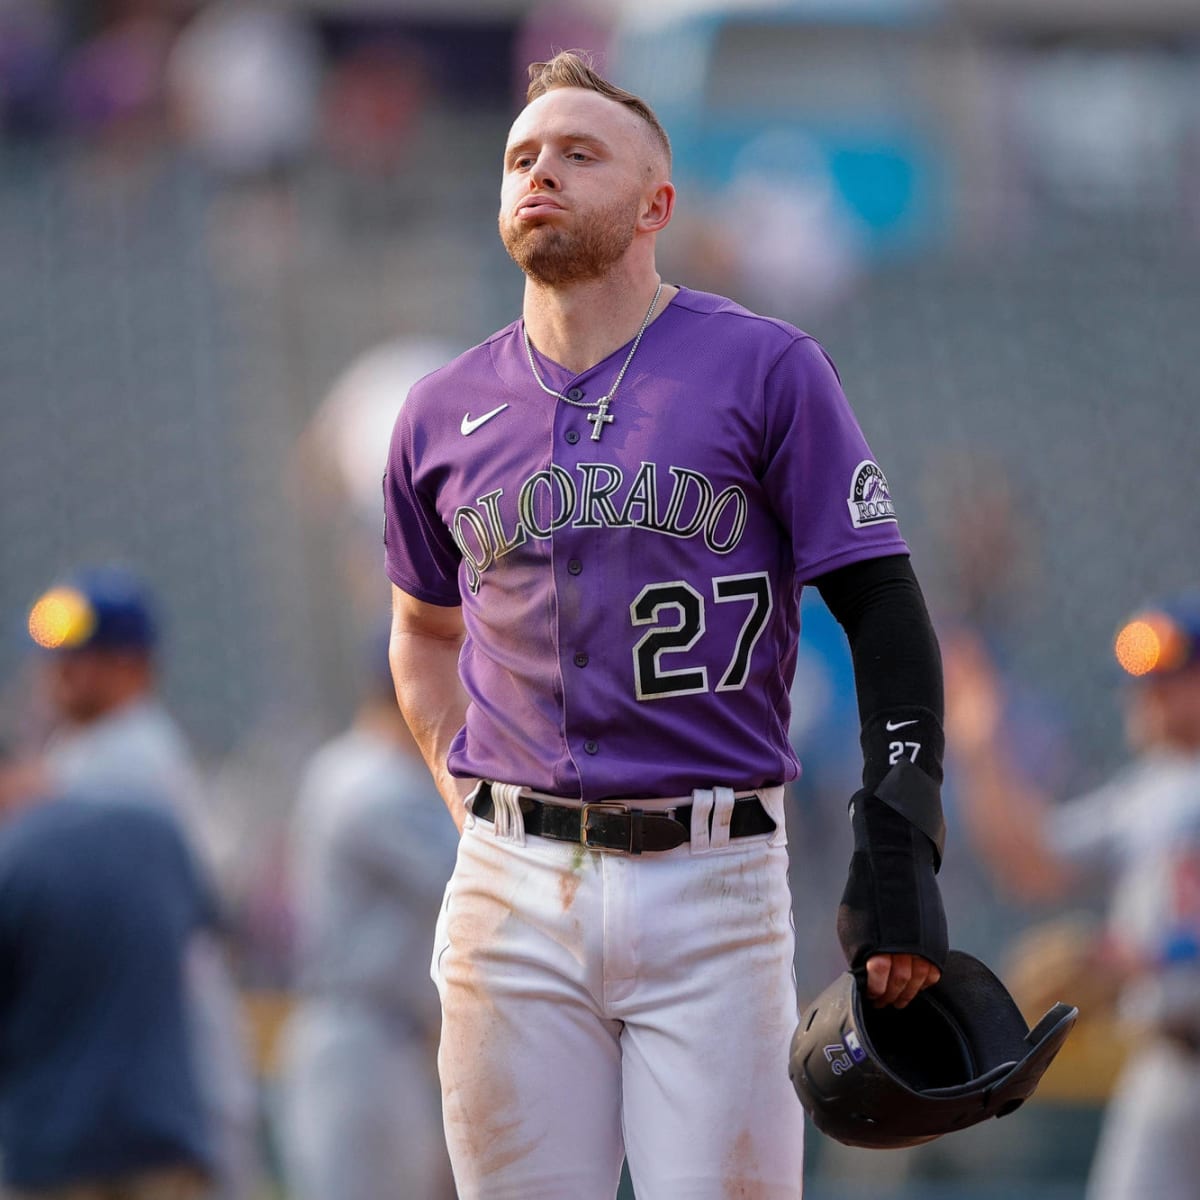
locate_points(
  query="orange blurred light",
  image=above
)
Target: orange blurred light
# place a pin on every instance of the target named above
(1151, 643)
(61, 619)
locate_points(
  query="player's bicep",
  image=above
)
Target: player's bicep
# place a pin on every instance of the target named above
(418, 618)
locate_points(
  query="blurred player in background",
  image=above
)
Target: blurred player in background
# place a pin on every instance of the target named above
(372, 850)
(114, 736)
(100, 900)
(1140, 834)
(99, 674)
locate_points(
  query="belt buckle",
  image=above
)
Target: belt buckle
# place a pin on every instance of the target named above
(611, 806)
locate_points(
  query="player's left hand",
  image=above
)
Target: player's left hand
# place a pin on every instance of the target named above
(897, 978)
(891, 909)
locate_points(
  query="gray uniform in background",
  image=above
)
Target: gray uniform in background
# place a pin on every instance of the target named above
(138, 751)
(134, 748)
(373, 848)
(1143, 830)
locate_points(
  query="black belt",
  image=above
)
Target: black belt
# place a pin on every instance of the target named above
(614, 825)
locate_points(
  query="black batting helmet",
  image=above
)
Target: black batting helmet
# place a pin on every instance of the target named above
(956, 1055)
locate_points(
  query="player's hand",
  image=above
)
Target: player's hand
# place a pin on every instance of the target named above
(891, 909)
(974, 704)
(896, 979)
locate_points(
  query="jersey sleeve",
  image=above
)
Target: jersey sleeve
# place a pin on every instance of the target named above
(821, 477)
(420, 556)
(1092, 830)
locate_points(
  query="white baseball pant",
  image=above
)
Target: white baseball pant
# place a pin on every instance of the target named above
(596, 1004)
(1148, 1147)
(358, 1107)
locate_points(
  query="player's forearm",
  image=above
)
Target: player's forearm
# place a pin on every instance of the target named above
(891, 919)
(1004, 816)
(432, 699)
(897, 664)
(1001, 809)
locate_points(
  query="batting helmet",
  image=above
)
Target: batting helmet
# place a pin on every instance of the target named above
(956, 1055)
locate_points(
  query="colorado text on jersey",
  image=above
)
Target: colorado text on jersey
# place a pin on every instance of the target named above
(551, 499)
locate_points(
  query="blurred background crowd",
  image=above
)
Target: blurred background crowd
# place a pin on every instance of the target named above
(232, 234)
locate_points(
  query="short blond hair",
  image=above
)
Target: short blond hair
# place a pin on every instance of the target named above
(573, 69)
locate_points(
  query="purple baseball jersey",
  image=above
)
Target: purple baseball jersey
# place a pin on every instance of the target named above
(632, 603)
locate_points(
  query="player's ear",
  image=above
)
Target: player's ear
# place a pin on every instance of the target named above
(657, 208)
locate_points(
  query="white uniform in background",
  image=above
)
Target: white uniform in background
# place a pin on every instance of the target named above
(373, 847)
(138, 751)
(1143, 827)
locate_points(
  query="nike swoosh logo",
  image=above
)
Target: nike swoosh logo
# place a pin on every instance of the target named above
(469, 426)
(892, 726)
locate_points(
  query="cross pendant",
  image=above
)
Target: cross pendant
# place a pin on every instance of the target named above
(600, 418)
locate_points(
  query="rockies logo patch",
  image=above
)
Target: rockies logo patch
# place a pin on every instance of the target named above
(870, 502)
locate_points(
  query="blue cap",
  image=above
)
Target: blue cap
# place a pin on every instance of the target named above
(98, 608)
(1161, 638)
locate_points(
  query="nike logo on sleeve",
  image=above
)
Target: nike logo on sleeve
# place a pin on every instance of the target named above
(469, 424)
(892, 726)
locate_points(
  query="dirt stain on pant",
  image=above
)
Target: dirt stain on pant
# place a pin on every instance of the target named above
(482, 1117)
(740, 1179)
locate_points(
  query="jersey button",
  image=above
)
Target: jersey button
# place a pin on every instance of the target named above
(591, 747)
(576, 393)
(581, 660)
(572, 436)
(574, 566)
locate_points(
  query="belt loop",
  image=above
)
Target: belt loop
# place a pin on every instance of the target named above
(507, 820)
(469, 805)
(774, 800)
(702, 808)
(722, 815)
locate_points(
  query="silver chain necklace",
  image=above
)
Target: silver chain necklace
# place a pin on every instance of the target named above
(601, 416)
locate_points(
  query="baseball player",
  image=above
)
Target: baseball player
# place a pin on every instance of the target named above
(113, 735)
(598, 525)
(1140, 834)
(372, 850)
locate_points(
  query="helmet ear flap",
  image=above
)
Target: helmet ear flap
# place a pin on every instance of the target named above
(959, 1053)
(1044, 1041)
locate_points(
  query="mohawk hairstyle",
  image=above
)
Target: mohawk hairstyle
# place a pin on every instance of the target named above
(573, 69)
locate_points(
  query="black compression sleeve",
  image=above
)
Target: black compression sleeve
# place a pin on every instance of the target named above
(897, 664)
